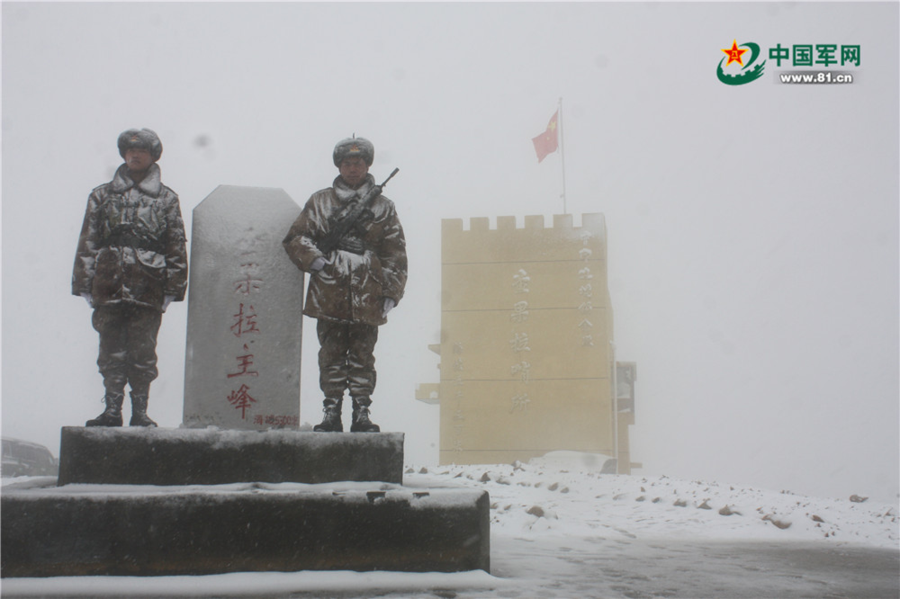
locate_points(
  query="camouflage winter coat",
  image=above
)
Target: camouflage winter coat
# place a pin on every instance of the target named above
(355, 280)
(132, 244)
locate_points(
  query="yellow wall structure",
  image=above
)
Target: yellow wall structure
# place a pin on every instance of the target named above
(527, 359)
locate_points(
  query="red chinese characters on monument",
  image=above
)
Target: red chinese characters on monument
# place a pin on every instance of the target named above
(277, 421)
(245, 321)
(241, 400)
(245, 326)
(244, 364)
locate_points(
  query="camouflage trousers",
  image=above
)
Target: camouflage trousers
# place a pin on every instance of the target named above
(346, 358)
(127, 346)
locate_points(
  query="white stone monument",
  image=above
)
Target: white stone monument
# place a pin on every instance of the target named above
(242, 366)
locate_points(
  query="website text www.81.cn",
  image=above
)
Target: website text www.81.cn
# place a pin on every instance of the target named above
(814, 77)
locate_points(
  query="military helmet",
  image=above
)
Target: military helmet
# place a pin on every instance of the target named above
(143, 139)
(351, 147)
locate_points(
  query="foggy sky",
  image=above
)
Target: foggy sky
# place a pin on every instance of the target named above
(753, 230)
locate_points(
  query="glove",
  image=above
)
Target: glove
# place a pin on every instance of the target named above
(388, 306)
(318, 264)
(166, 301)
(88, 298)
(352, 244)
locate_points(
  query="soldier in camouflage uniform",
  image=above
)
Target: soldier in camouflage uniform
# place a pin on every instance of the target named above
(130, 264)
(352, 288)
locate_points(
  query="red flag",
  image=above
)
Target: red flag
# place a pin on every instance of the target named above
(548, 141)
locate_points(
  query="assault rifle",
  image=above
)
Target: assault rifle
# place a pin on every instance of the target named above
(340, 224)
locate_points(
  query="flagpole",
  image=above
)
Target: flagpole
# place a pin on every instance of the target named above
(562, 152)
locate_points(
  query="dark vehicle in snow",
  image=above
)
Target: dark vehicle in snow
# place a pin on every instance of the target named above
(23, 458)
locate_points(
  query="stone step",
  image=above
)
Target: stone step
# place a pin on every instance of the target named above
(143, 531)
(161, 456)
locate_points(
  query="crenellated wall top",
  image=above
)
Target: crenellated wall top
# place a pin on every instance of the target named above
(594, 221)
(534, 241)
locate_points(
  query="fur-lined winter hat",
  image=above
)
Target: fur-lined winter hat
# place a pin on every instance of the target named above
(143, 139)
(351, 147)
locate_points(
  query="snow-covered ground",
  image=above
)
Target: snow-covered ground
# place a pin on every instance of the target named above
(560, 528)
(564, 494)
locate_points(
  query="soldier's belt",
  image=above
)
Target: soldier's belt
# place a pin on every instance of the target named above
(132, 241)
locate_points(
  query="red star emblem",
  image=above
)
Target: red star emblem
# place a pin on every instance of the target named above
(734, 54)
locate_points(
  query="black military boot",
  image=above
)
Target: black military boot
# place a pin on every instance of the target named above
(139, 410)
(361, 422)
(112, 415)
(332, 421)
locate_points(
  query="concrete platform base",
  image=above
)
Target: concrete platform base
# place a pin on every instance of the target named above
(159, 456)
(120, 530)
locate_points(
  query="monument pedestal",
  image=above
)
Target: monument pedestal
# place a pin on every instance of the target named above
(157, 456)
(90, 530)
(149, 502)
